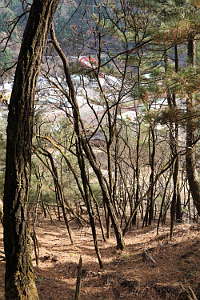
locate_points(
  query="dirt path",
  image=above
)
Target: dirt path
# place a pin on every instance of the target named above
(127, 275)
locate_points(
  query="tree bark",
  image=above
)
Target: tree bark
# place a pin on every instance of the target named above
(19, 276)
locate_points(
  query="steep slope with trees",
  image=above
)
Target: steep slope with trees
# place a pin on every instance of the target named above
(115, 140)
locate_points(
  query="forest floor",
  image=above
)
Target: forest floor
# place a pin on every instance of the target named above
(174, 274)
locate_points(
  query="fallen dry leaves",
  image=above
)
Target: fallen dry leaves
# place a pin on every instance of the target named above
(126, 275)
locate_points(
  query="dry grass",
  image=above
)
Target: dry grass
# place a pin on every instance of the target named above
(126, 275)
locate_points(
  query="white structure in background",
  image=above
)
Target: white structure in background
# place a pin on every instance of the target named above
(5, 92)
(50, 99)
(6, 87)
(128, 116)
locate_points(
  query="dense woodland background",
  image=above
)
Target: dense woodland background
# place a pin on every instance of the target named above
(115, 141)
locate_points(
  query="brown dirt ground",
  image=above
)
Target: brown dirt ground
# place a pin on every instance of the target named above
(126, 275)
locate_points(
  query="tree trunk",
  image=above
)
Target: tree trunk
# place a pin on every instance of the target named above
(137, 175)
(82, 141)
(175, 209)
(190, 148)
(85, 182)
(19, 276)
(150, 196)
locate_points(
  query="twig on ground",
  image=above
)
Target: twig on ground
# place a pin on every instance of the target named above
(78, 281)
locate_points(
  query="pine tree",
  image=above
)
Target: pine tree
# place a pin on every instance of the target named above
(19, 276)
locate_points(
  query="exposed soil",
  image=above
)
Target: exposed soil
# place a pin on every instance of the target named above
(168, 269)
